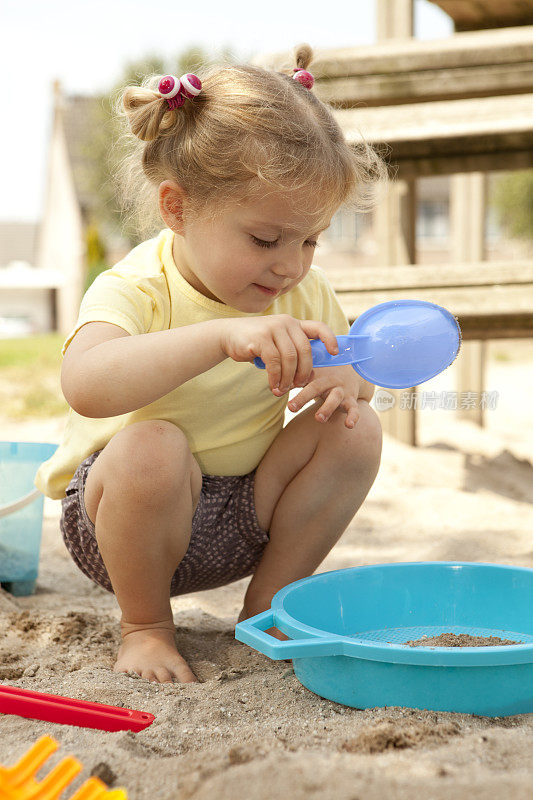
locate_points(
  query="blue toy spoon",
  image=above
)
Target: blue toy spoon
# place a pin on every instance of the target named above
(398, 344)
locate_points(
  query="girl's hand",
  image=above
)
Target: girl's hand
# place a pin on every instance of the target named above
(282, 342)
(339, 387)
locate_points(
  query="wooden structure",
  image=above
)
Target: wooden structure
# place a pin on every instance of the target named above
(470, 15)
(459, 106)
(491, 300)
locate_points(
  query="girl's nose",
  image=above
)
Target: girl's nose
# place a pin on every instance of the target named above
(291, 269)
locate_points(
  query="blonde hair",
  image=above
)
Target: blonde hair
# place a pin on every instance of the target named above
(250, 131)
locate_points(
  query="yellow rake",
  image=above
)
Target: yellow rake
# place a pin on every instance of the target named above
(18, 782)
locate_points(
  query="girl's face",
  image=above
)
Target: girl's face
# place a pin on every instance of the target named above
(261, 244)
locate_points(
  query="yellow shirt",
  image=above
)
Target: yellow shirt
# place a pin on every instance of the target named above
(228, 413)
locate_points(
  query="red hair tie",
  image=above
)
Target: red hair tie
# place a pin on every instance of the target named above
(175, 91)
(304, 77)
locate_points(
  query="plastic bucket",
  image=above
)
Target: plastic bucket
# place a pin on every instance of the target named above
(21, 514)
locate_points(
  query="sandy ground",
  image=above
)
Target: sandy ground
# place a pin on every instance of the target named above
(249, 729)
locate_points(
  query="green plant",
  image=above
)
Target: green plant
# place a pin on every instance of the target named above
(513, 203)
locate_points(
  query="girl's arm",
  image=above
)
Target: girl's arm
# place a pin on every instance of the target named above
(122, 373)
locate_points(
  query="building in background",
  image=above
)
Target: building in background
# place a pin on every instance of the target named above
(43, 266)
(27, 294)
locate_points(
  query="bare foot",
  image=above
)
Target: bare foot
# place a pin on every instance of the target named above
(152, 654)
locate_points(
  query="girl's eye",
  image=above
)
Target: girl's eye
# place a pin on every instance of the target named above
(262, 243)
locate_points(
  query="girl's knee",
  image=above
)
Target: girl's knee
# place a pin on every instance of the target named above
(370, 431)
(371, 422)
(365, 439)
(152, 456)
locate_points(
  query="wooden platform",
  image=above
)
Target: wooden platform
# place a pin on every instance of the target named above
(447, 136)
(474, 14)
(479, 64)
(491, 300)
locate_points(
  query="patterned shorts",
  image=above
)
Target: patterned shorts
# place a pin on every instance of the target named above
(226, 542)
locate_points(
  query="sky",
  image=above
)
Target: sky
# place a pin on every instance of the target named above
(86, 43)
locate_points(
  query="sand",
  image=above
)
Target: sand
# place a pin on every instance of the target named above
(249, 729)
(450, 639)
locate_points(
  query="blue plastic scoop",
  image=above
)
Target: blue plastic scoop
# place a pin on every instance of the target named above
(398, 344)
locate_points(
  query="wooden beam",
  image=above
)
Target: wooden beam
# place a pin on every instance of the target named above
(492, 300)
(426, 84)
(474, 14)
(475, 301)
(421, 128)
(476, 324)
(496, 326)
(480, 64)
(499, 159)
(398, 57)
(443, 276)
(426, 138)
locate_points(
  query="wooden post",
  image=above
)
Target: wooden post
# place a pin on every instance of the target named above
(468, 193)
(394, 19)
(394, 221)
(394, 230)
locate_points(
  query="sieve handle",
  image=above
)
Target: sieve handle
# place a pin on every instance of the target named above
(252, 632)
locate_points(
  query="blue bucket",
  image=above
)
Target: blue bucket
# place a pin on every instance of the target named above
(348, 630)
(21, 514)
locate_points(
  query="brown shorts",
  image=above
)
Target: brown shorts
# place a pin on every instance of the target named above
(226, 543)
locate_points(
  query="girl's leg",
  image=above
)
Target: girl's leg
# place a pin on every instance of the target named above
(310, 484)
(141, 494)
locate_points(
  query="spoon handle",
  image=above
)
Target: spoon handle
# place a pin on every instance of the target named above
(323, 358)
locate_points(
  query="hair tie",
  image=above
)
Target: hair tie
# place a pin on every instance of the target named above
(175, 91)
(304, 77)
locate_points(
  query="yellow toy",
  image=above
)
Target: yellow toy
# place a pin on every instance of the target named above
(18, 782)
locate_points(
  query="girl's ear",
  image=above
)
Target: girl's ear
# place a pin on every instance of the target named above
(171, 201)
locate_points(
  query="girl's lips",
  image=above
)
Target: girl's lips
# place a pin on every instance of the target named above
(267, 291)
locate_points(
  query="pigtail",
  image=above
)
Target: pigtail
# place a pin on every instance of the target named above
(148, 112)
(144, 110)
(303, 56)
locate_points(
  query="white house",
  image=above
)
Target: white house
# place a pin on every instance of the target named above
(43, 266)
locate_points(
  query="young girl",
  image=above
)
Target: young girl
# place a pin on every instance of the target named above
(175, 471)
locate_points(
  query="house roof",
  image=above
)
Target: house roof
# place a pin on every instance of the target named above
(81, 115)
